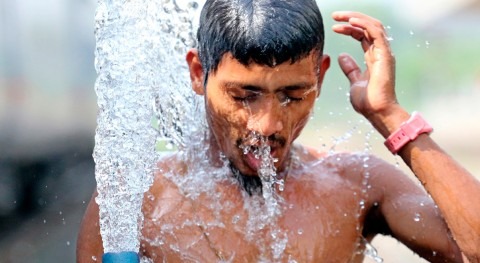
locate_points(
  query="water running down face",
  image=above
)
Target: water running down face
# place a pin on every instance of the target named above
(273, 102)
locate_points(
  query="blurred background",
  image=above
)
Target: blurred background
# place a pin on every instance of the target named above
(48, 108)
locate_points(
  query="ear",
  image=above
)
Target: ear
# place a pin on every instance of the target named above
(196, 71)
(324, 65)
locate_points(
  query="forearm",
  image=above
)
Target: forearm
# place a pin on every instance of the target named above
(455, 190)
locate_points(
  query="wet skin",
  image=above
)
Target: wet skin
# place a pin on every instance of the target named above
(322, 194)
(274, 102)
(321, 197)
(322, 215)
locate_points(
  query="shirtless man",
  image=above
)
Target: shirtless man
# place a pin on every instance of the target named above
(260, 67)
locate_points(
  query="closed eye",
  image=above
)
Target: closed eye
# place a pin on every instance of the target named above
(248, 97)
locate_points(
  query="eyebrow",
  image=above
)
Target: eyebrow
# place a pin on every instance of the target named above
(250, 87)
(240, 85)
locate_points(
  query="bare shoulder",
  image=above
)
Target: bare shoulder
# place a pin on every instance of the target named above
(359, 167)
(163, 190)
(167, 165)
(362, 171)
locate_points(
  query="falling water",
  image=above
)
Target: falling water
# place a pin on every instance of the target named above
(134, 69)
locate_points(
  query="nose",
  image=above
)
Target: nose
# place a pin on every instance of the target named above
(267, 120)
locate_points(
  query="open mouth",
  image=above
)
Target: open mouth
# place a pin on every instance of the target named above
(260, 151)
(255, 161)
(258, 156)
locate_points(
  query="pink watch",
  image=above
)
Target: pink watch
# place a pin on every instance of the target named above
(407, 132)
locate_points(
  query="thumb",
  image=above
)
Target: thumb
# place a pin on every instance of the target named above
(349, 67)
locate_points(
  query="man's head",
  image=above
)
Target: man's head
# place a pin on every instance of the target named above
(260, 66)
(266, 32)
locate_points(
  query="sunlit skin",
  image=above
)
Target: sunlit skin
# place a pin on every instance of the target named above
(323, 216)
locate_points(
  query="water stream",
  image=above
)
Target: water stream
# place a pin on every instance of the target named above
(137, 75)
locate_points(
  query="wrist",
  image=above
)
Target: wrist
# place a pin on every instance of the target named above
(408, 131)
(388, 120)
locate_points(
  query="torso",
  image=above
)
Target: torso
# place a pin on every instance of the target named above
(323, 208)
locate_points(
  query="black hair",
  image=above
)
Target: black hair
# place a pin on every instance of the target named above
(251, 184)
(266, 32)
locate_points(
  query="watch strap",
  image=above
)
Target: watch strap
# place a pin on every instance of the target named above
(407, 132)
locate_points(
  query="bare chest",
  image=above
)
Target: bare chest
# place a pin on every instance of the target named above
(305, 226)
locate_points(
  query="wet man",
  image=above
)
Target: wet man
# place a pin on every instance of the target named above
(260, 65)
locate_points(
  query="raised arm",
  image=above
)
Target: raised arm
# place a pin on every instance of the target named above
(455, 190)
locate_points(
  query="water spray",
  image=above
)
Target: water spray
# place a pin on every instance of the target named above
(137, 40)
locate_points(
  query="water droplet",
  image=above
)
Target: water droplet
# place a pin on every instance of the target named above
(417, 217)
(300, 231)
(193, 5)
(371, 252)
(235, 219)
(68, 243)
(362, 202)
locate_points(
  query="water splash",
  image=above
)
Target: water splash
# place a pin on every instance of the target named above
(370, 251)
(258, 146)
(124, 149)
(266, 211)
(131, 69)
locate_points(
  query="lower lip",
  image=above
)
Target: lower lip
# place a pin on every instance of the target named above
(253, 162)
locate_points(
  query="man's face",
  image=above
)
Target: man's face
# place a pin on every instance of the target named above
(272, 102)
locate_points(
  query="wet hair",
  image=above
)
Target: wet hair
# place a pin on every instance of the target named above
(266, 32)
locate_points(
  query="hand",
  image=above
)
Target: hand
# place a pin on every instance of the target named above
(372, 92)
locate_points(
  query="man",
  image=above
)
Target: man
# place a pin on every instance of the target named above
(260, 66)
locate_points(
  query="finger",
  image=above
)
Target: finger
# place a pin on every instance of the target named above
(345, 16)
(349, 67)
(355, 32)
(373, 27)
(375, 34)
(348, 30)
